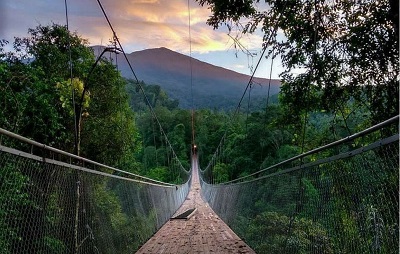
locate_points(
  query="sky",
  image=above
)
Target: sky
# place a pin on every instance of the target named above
(139, 25)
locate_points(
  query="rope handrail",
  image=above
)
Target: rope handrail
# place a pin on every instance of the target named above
(340, 156)
(318, 203)
(316, 150)
(80, 207)
(73, 156)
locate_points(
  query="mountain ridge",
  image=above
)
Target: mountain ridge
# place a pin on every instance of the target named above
(212, 85)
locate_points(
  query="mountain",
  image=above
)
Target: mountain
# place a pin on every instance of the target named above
(213, 86)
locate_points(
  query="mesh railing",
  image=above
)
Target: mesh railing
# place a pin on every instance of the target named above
(54, 202)
(342, 198)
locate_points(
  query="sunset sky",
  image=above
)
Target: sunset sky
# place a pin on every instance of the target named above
(139, 24)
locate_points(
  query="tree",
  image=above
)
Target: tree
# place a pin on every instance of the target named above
(30, 106)
(38, 63)
(348, 50)
(40, 103)
(36, 102)
(108, 120)
(50, 46)
(220, 173)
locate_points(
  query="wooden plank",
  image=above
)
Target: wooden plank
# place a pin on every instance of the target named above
(204, 232)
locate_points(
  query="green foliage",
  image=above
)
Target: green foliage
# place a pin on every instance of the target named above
(54, 245)
(158, 173)
(112, 216)
(223, 11)
(209, 128)
(254, 140)
(157, 156)
(156, 96)
(49, 45)
(311, 198)
(12, 184)
(271, 232)
(29, 106)
(221, 173)
(177, 139)
(109, 122)
(36, 102)
(65, 92)
(149, 157)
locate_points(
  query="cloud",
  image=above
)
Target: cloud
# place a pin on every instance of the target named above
(146, 1)
(139, 24)
(143, 24)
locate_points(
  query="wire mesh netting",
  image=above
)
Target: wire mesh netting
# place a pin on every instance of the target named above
(342, 199)
(52, 203)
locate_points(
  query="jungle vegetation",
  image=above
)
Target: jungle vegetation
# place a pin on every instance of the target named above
(350, 58)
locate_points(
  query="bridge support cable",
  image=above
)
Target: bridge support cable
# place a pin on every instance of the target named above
(214, 158)
(40, 188)
(270, 77)
(348, 201)
(76, 133)
(300, 177)
(191, 77)
(139, 85)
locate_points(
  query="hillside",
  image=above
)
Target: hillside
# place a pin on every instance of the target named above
(213, 86)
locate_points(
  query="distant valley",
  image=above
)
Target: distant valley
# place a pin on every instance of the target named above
(213, 86)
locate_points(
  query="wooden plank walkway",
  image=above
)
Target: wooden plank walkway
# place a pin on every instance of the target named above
(204, 232)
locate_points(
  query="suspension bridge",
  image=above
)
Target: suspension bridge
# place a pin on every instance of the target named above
(339, 198)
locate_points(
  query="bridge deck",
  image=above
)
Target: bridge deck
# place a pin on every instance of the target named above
(204, 232)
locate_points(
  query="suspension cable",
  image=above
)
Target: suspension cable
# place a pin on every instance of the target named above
(310, 76)
(270, 75)
(76, 149)
(300, 193)
(275, 28)
(137, 81)
(251, 79)
(248, 107)
(191, 74)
